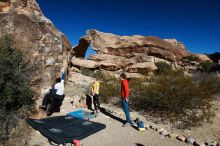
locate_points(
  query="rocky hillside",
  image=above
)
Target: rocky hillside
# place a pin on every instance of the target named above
(47, 49)
(134, 54)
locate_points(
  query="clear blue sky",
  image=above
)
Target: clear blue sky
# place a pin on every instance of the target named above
(196, 23)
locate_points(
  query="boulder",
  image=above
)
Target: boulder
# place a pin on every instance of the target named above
(181, 138)
(126, 46)
(164, 133)
(46, 48)
(78, 84)
(198, 143)
(203, 57)
(117, 60)
(134, 54)
(141, 67)
(80, 62)
(160, 130)
(108, 66)
(190, 140)
(172, 135)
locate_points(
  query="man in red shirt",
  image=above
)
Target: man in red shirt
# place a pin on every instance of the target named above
(124, 97)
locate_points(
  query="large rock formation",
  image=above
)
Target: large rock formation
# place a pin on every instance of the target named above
(131, 53)
(128, 46)
(46, 48)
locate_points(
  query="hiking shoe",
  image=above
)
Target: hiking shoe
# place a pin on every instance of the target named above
(132, 123)
(126, 124)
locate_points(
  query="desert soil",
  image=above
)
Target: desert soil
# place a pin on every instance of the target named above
(113, 135)
(116, 135)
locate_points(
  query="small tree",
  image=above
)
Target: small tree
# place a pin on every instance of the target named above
(15, 92)
(162, 68)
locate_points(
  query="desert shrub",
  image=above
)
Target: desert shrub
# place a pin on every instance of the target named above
(136, 86)
(144, 71)
(177, 98)
(207, 66)
(86, 71)
(16, 100)
(207, 81)
(162, 68)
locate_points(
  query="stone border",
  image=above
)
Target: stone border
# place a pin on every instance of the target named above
(165, 133)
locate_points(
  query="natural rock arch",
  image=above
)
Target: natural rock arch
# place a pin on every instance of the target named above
(81, 48)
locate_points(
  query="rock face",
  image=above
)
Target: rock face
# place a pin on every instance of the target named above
(46, 48)
(135, 54)
(79, 62)
(203, 57)
(129, 45)
(78, 84)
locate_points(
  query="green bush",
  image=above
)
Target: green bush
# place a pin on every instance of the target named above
(86, 72)
(16, 96)
(207, 66)
(162, 68)
(177, 98)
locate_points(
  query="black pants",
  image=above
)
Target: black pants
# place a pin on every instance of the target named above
(96, 102)
(48, 98)
(52, 102)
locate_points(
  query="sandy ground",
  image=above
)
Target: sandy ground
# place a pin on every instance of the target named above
(113, 135)
(208, 132)
(116, 135)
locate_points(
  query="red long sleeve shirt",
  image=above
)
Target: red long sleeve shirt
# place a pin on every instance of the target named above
(124, 89)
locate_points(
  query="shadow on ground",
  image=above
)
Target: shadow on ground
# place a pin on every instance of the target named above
(138, 144)
(103, 110)
(111, 115)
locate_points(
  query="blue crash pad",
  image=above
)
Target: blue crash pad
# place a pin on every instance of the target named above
(82, 114)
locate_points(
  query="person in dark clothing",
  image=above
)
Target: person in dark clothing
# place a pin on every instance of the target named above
(53, 100)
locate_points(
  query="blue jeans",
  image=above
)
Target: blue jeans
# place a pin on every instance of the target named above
(126, 110)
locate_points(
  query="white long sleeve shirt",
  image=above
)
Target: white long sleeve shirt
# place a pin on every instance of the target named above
(59, 87)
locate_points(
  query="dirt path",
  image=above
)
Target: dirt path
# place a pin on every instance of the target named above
(113, 135)
(116, 135)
